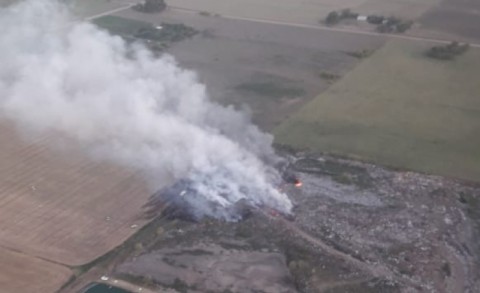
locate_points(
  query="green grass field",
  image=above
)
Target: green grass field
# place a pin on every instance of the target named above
(398, 108)
(169, 33)
(120, 25)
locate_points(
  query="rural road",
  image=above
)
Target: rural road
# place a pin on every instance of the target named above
(300, 25)
(375, 269)
(325, 28)
(109, 12)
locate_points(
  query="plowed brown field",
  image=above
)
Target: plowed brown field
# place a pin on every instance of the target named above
(63, 207)
(25, 274)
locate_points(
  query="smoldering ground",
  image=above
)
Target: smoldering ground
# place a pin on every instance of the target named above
(121, 104)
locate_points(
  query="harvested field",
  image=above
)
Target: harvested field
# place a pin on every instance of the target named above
(88, 8)
(273, 69)
(456, 18)
(303, 12)
(407, 9)
(62, 206)
(279, 10)
(401, 109)
(25, 274)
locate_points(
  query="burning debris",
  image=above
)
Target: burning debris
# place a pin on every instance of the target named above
(183, 200)
(298, 183)
(288, 175)
(186, 200)
(407, 232)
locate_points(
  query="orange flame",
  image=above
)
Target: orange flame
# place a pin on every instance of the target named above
(298, 183)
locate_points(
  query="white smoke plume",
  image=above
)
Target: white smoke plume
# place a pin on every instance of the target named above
(121, 104)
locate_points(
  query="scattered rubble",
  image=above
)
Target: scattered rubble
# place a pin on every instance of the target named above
(212, 268)
(357, 228)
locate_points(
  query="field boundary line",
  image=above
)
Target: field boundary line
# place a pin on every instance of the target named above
(324, 28)
(109, 12)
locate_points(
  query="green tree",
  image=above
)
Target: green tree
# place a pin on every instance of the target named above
(404, 26)
(332, 18)
(375, 19)
(447, 52)
(151, 6)
(347, 13)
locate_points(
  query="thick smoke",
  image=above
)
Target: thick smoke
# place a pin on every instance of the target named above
(121, 104)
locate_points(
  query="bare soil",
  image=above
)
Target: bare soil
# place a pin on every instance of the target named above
(456, 18)
(62, 206)
(25, 274)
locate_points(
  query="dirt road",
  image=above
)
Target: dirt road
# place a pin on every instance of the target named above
(333, 29)
(377, 270)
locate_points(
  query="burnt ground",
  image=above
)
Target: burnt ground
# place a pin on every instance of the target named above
(455, 17)
(357, 228)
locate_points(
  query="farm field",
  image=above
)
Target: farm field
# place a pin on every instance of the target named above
(305, 11)
(456, 19)
(86, 8)
(401, 109)
(272, 69)
(60, 205)
(407, 9)
(25, 274)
